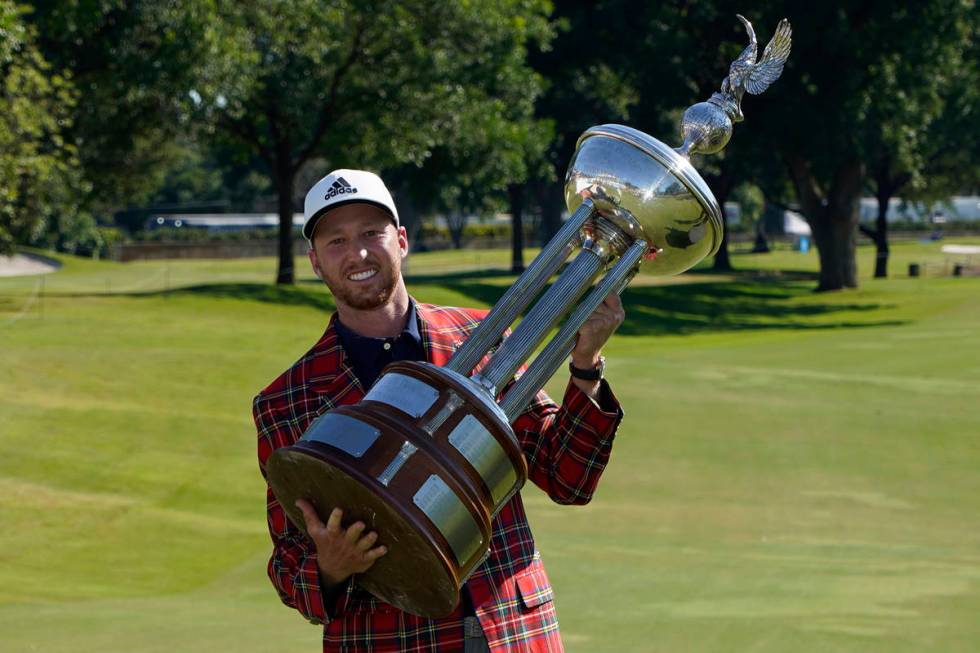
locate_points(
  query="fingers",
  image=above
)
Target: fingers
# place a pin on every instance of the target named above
(606, 316)
(614, 304)
(333, 522)
(610, 310)
(376, 553)
(597, 329)
(340, 551)
(613, 301)
(367, 541)
(310, 518)
(354, 532)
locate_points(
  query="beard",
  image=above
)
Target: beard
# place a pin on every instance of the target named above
(370, 297)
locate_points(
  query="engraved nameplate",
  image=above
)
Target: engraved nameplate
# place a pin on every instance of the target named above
(342, 432)
(404, 393)
(482, 450)
(444, 509)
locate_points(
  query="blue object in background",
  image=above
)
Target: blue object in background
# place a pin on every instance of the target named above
(803, 245)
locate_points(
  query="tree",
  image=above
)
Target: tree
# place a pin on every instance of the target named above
(813, 125)
(585, 85)
(134, 64)
(596, 76)
(856, 72)
(925, 140)
(365, 84)
(495, 144)
(38, 167)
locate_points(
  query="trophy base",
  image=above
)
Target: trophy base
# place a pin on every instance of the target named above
(412, 555)
(425, 460)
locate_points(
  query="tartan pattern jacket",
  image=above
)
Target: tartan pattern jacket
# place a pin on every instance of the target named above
(566, 449)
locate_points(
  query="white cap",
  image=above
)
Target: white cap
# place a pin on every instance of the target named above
(345, 187)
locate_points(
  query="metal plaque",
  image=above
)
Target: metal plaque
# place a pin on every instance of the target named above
(472, 439)
(406, 452)
(342, 432)
(404, 393)
(444, 509)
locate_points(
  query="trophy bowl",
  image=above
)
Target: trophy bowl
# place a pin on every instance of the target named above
(648, 189)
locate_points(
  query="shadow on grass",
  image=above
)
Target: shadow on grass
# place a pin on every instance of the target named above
(448, 277)
(738, 306)
(753, 300)
(721, 306)
(304, 293)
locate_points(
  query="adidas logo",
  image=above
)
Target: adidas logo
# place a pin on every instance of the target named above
(339, 187)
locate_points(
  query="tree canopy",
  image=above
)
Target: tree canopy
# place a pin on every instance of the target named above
(468, 107)
(38, 165)
(378, 85)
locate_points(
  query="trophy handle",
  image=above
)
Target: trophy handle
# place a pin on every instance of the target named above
(522, 292)
(555, 353)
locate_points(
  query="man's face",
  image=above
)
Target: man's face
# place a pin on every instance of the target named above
(358, 251)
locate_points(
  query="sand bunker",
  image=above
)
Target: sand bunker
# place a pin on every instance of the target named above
(20, 265)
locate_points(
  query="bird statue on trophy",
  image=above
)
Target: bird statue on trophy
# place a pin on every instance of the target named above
(707, 126)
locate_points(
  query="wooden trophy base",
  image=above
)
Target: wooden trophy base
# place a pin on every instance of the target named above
(425, 460)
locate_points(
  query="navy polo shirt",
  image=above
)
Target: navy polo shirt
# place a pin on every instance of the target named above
(368, 356)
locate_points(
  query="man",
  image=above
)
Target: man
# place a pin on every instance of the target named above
(356, 248)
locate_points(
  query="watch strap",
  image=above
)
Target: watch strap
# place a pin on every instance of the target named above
(593, 374)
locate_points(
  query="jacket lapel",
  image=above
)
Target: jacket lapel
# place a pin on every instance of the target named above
(330, 371)
(439, 342)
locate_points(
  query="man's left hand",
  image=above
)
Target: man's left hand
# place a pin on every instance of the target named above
(596, 331)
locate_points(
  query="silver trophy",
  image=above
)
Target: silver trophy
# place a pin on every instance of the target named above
(429, 457)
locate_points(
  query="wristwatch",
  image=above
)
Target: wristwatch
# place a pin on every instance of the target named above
(593, 374)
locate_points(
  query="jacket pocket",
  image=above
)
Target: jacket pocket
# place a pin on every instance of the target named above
(534, 588)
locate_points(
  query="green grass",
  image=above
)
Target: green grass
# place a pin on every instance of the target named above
(796, 472)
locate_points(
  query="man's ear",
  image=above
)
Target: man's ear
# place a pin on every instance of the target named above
(403, 241)
(315, 263)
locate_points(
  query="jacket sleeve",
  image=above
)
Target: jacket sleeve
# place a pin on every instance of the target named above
(567, 447)
(293, 567)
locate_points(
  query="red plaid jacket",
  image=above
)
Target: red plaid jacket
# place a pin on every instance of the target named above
(566, 449)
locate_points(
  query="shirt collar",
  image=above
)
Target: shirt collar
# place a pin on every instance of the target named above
(410, 330)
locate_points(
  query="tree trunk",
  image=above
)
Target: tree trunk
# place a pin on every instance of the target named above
(284, 188)
(552, 202)
(723, 263)
(516, 196)
(456, 223)
(881, 237)
(408, 217)
(835, 236)
(721, 186)
(761, 243)
(833, 218)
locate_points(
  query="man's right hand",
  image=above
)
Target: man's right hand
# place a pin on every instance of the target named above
(340, 552)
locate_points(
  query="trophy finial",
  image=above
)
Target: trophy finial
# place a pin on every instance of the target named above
(707, 126)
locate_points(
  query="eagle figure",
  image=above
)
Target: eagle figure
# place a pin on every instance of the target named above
(707, 125)
(745, 74)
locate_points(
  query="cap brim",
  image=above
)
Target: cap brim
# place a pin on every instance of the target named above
(310, 228)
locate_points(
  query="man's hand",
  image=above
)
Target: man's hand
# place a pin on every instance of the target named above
(340, 553)
(593, 335)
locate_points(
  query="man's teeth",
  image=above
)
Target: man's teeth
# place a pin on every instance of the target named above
(361, 276)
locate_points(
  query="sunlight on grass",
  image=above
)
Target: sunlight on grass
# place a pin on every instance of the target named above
(796, 471)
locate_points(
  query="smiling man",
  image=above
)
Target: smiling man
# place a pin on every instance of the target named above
(356, 247)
